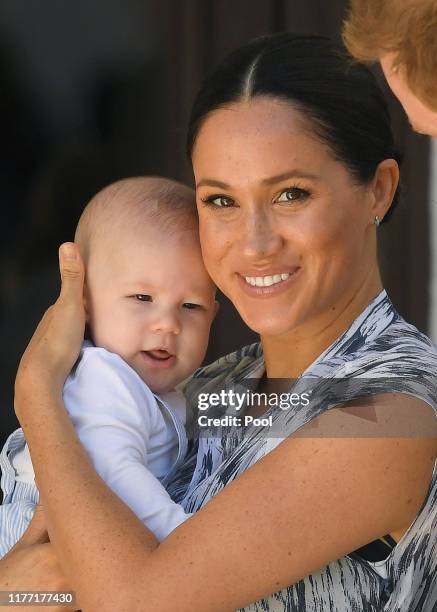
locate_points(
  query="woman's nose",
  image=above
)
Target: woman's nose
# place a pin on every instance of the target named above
(166, 322)
(260, 238)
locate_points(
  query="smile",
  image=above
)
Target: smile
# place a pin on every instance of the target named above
(266, 281)
(268, 285)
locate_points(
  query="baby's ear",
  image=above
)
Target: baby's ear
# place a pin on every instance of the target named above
(86, 302)
(87, 335)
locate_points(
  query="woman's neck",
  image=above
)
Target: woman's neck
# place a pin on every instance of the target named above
(289, 355)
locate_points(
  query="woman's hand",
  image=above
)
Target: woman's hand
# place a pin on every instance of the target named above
(32, 565)
(56, 343)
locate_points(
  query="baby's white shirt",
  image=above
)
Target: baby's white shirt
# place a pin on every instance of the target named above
(134, 438)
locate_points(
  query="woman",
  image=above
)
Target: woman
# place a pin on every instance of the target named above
(295, 169)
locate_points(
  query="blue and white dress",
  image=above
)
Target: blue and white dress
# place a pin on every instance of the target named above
(379, 353)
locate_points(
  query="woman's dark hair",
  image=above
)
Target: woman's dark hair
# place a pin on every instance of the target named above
(340, 97)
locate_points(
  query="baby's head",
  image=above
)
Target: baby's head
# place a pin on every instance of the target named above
(148, 296)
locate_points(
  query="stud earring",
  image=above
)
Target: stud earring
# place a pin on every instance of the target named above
(377, 221)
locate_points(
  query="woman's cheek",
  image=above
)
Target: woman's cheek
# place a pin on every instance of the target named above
(329, 238)
(214, 244)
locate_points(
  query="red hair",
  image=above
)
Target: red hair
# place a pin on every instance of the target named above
(405, 28)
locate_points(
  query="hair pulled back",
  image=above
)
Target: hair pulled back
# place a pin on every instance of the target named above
(341, 98)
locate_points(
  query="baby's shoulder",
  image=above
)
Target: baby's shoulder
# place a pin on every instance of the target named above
(102, 389)
(104, 371)
(96, 359)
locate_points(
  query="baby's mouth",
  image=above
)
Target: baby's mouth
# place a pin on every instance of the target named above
(159, 354)
(158, 359)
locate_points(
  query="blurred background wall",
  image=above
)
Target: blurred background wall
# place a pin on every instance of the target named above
(432, 205)
(93, 91)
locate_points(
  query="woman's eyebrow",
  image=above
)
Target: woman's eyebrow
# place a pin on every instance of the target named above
(207, 182)
(212, 183)
(289, 174)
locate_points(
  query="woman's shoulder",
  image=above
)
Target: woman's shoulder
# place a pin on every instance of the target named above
(399, 347)
(383, 354)
(381, 338)
(405, 335)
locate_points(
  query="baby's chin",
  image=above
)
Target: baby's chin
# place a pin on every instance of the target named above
(159, 384)
(160, 389)
(156, 385)
(162, 379)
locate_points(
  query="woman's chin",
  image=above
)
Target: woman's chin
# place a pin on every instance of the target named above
(271, 325)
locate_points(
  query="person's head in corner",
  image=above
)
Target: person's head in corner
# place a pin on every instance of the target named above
(402, 35)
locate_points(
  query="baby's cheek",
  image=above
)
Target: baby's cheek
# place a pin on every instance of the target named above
(197, 344)
(112, 333)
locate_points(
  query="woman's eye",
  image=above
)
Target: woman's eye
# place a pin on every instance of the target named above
(142, 297)
(293, 194)
(191, 306)
(219, 201)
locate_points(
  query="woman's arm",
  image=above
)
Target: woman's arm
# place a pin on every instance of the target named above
(32, 565)
(257, 536)
(253, 538)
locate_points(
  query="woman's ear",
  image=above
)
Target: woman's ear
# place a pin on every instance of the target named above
(384, 187)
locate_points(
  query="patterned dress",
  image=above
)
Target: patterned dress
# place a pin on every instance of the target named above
(378, 353)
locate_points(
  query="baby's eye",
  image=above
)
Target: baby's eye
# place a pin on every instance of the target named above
(142, 297)
(293, 194)
(191, 306)
(218, 200)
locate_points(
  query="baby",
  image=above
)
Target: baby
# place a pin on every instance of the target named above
(149, 304)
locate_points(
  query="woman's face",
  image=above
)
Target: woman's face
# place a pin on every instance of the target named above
(287, 233)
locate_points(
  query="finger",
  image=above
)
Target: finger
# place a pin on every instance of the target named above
(72, 273)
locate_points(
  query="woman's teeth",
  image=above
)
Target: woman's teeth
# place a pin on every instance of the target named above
(266, 281)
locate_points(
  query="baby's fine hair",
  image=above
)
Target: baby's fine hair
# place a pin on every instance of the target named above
(132, 202)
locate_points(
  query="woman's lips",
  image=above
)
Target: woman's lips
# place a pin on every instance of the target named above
(271, 290)
(158, 359)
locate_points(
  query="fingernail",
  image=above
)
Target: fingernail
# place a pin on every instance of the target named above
(68, 251)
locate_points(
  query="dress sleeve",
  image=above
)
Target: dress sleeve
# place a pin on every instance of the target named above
(19, 498)
(114, 412)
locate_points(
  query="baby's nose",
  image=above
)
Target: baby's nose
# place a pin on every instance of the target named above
(166, 323)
